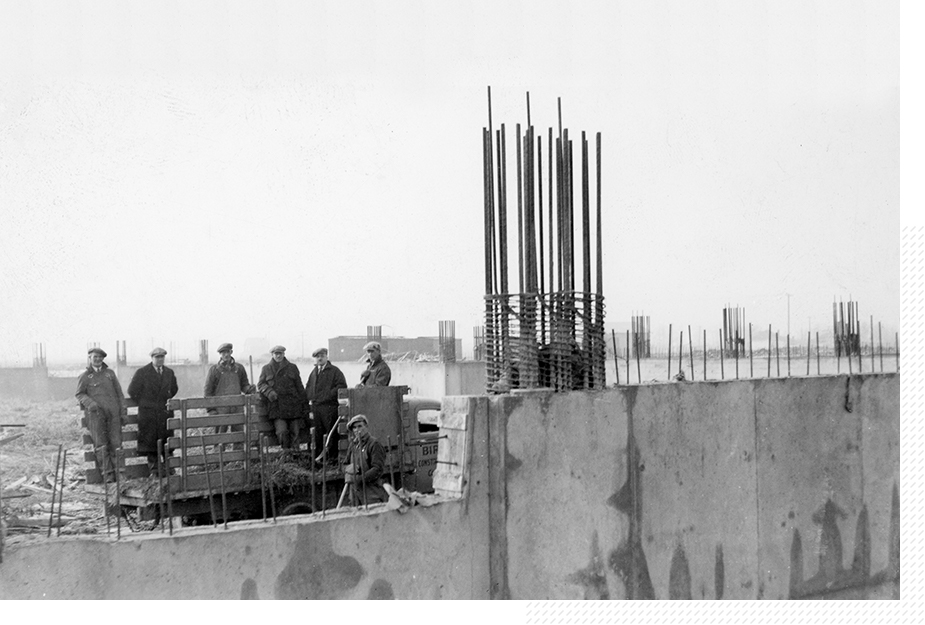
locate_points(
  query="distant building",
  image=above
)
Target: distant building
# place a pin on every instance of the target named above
(350, 348)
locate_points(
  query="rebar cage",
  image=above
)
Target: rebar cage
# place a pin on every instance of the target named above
(549, 340)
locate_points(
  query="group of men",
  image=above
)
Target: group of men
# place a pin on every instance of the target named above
(289, 404)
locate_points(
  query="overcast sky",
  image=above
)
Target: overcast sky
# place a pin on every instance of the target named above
(233, 170)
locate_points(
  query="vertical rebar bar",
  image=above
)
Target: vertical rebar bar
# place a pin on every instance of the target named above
(520, 212)
(61, 496)
(681, 353)
(690, 346)
(616, 362)
(872, 355)
(324, 478)
(270, 479)
(722, 368)
(638, 365)
(670, 330)
(777, 350)
(263, 476)
(221, 483)
(391, 466)
(848, 356)
(105, 454)
(818, 357)
(160, 484)
(858, 334)
(897, 352)
(880, 343)
(491, 200)
(54, 490)
(769, 350)
(735, 351)
(788, 354)
(552, 235)
(627, 356)
(205, 468)
(704, 355)
(313, 448)
(751, 352)
(118, 496)
(169, 496)
(541, 238)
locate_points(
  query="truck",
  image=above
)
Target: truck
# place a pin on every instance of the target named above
(231, 475)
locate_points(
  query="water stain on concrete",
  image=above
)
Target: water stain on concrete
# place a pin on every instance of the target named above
(679, 575)
(315, 571)
(592, 578)
(381, 589)
(511, 462)
(249, 589)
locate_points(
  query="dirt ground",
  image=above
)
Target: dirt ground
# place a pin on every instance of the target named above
(27, 473)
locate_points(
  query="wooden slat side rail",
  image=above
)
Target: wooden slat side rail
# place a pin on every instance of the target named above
(176, 442)
(181, 441)
(127, 435)
(233, 479)
(127, 452)
(132, 471)
(208, 402)
(196, 460)
(207, 421)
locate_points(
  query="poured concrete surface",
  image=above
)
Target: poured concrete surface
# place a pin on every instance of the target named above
(775, 489)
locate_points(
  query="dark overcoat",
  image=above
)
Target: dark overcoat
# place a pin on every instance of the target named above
(376, 374)
(321, 391)
(283, 378)
(152, 391)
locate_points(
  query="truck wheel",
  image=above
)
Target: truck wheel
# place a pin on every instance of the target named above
(298, 507)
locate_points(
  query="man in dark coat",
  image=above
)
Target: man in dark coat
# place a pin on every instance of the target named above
(365, 463)
(321, 391)
(100, 395)
(377, 372)
(281, 387)
(152, 386)
(227, 377)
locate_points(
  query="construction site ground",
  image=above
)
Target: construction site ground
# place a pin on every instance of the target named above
(27, 469)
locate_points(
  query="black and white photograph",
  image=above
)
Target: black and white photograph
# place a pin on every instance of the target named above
(530, 301)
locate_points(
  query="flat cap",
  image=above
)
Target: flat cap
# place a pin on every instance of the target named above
(356, 419)
(225, 347)
(96, 350)
(158, 351)
(278, 348)
(319, 351)
(372, 345)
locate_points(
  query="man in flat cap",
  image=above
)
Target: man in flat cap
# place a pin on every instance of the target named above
(365, 463)
(377, 373)
(321, 392)
(100, 395)
(152, 386)
(227, 377)
(281, 386)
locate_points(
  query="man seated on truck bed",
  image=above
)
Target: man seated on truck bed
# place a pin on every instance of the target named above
(377, 373)
(365, 464)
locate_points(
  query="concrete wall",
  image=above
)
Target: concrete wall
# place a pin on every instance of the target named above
(775, 489)
(25, 383)
(426, 553)
(747, 489)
